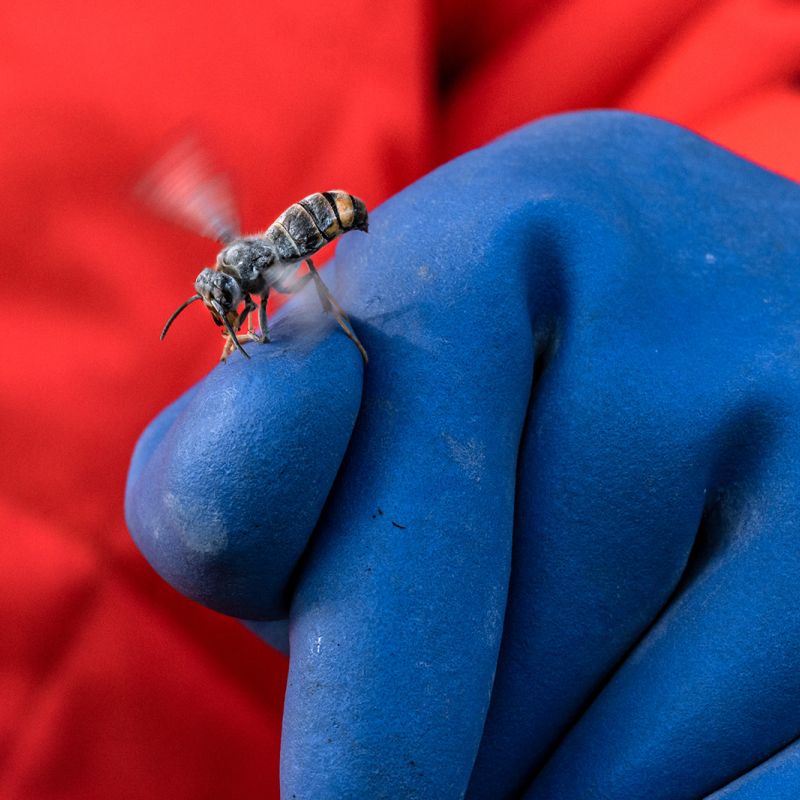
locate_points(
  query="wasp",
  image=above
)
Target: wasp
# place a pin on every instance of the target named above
(184, 186)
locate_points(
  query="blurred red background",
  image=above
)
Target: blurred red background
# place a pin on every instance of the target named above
(111, 685)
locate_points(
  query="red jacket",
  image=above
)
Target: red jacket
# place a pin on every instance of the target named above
(111, 685)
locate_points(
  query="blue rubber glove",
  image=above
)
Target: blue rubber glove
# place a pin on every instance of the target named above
(584, 343)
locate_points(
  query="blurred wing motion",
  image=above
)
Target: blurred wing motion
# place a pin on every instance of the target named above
(184, 186)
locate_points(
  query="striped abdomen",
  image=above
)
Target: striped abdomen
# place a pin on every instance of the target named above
(307, 226)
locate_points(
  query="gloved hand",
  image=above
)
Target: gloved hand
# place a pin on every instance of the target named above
(584, 345)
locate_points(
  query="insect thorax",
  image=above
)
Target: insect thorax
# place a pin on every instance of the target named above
(247, 259)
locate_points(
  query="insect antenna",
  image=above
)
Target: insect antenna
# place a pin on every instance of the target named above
(178, 311)
(229, 328)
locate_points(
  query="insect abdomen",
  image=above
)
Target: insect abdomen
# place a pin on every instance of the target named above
(314, 221)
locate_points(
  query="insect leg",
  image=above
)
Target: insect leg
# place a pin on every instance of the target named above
(330, 304)
(249, 305)
(262, 318)
(227, 348)
(263, 336)
(325, 297)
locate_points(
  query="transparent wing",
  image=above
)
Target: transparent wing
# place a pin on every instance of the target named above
(184, 186)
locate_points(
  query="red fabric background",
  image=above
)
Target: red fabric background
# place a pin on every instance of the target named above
(111, 685)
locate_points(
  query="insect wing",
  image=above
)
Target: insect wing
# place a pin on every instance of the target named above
(184, 187)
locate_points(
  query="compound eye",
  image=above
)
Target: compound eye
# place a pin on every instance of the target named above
(203, 282)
